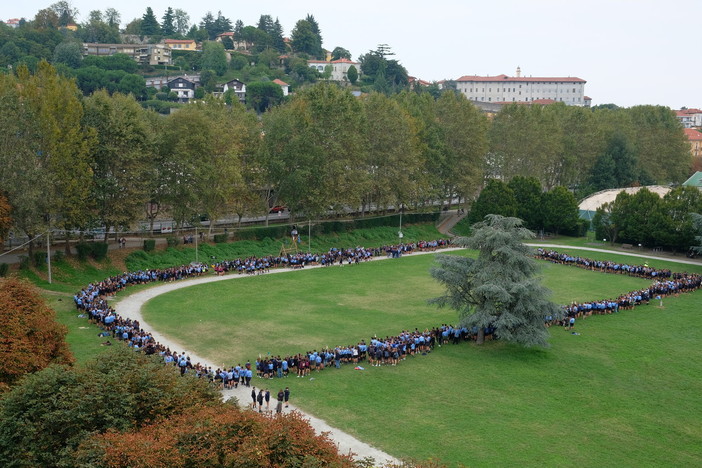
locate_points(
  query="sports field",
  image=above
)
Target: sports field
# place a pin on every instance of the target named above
(623, 392)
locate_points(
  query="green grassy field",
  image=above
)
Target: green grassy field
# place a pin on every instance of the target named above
(303, 310)
(623, 392)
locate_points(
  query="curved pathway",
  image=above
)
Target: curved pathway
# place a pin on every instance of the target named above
(130, 307)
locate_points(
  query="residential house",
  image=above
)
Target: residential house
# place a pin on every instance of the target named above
(239, 45)
(503, 88)
(159, 82)
(689, 118)
(339, 68)
(238, 87)
(183, 87)
(13, 22)
(695, 139)
(181, 44)
(284, 85)
(145, 54)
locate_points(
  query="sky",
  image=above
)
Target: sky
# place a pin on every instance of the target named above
(630, 52)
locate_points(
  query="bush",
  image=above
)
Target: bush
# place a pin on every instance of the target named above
(4, 269)
(149, 245)
(39, 259)
(58, 256)
(23, 262)
(172, 241)
(221, 238)
(98, 250)
(82, 251)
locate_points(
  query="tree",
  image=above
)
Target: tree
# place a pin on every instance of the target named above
(64, 145)
(643, 218)
(125, 144)
(68, 53)
(234, 438)
(340, 53)
(112, 18)
(496, 198)
(265, 23)
(277, 39)
(499, 289)
(30, 337)
(5, 217)
(560, 210)
(181, 21)
(312, 151)
(528, 194)
(662, 148)
(352, 75)
(315, 28)
(304, 40)
(262, 95)
(214, 57)
(168, 27)
(133, 27)
(46, 19)
(149, 24)
(678, 230)
(45, 418)
(65, 12)
(394, 172)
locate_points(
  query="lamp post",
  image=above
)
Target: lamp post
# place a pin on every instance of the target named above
(399, 233)
(48, 254)
(196, 256)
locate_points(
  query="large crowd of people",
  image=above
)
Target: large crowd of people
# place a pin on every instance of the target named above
(375, 351)
(664, 283)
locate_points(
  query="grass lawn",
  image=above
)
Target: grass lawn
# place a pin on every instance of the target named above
(299, 311)
(624, 392)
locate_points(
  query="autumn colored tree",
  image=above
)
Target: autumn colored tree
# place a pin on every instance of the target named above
(222, 435)
(48, 414)
(30, 337)
(5, 217)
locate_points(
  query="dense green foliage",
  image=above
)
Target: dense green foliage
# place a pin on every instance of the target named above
(499, 289)
(647, 219)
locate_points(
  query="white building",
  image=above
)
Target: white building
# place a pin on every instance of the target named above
(689, 118)
(505, 89)
(339, 68)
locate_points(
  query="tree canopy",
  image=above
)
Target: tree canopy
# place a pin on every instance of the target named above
(499, 289)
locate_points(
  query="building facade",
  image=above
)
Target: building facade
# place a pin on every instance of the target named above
(181, 44)
(339, 68)
(145, 54)
(506, 89)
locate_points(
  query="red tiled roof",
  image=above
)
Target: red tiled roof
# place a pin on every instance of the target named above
(179, 41)
(531, 79)
(692, 134)
(229, 33)
(280, 82)
(587, 98)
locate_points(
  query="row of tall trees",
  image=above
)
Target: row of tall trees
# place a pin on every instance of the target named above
(72, 161)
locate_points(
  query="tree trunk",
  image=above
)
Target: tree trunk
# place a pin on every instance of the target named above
(481, 336)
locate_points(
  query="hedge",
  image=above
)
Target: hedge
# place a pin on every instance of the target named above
(4, 268)
(221, 238)
(96, 250)
(331, 227)
(149, 245)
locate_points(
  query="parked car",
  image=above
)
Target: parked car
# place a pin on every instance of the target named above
(277, 209)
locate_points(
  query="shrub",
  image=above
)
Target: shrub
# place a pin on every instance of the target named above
(58, 256)
(4, 269)
(98, 250)
(172, 241)
(149, 245)
(23, 262)
(221, 238)
(39, 259)
(82, 251)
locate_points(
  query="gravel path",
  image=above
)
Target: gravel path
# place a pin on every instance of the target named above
(130, 306)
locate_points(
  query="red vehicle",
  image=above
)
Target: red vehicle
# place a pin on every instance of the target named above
(277, 209)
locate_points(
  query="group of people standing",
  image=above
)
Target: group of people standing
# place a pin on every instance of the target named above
(390, 350)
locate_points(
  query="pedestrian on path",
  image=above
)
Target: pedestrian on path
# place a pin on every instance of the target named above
(279, 405)
(286, 395)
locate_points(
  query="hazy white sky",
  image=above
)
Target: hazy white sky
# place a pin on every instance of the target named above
(630, 52)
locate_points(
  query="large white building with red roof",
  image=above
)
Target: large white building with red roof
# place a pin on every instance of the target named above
(506, 89)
